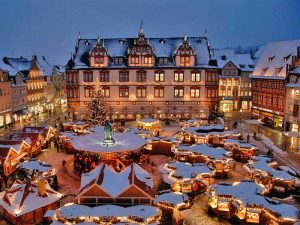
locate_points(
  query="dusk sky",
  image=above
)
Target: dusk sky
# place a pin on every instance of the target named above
(50, 27)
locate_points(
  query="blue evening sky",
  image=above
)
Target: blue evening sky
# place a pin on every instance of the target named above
(50, 27)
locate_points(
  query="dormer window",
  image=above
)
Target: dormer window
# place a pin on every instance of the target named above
(121, 42)
(251, 66)
(242, 66)
(98, 55)
(293, 79)
(118, 60)
(163, 60)
(148, 60)
(277, 70)
(223, 57)
(271, 58)
(286, 58)
(185, 55)
(162, 41)
(264, 70)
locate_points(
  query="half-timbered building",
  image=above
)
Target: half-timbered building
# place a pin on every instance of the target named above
(269, 81)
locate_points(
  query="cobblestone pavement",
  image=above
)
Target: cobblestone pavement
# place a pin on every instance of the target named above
(67, 183)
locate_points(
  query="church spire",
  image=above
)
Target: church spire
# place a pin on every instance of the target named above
(141, 29)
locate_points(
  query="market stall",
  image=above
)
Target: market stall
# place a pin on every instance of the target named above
(77, 127)
(149, 124)
(11, 154)
(242, 151)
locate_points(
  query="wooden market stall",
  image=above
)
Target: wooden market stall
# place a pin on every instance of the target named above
(77, 127)
(186, 177)
(242, 151)
(48, 132)
(244, 201)
(11, 153)
(26, 203)
(217, 158)
(103, 185)
(35, 141)
(149, 124)
(161, 145)
(105, 214)
(263, 170)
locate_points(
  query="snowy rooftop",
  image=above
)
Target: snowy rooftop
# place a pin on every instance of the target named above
(93, 142)
(248, 194)
(162, 47)
(148, 120)
(241, 61)
(214, 128)
(173, 198)
(275, 57)
(239, 143)
(22, 198)
(203, 149)
(106, 178)
(262, 164)
(32, 165)
(72, 211)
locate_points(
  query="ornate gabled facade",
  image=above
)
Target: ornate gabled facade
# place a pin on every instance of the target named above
(144, 76)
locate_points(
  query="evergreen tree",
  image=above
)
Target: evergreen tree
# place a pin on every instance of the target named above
(98, 110)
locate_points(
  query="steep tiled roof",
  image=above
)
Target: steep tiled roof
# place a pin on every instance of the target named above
(118, 47)
(274, 60)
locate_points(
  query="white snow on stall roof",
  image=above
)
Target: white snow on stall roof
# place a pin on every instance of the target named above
(248, 193)
(242, 144)
(32, 202)
(74, 211)
(148, 120)
(262, 164)
(93, 142)
(111, 178)
(276, 55)
(174, 198)
(17, 147)
(187, 170)
(36, 165)
(206, 150)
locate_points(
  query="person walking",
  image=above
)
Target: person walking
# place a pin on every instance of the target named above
(248, 138)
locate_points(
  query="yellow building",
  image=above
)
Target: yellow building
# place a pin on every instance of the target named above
(234, 82)
(5, 100)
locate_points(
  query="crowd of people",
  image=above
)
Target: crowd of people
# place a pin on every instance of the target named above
(84, 162)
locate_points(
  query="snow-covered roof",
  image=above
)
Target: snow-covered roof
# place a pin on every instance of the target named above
(176, 171)
(28, 137)
(148, 120)
(239, 143)
(258, 53)
(276, 55)
(162, 47)
(296, 70)
(22, 198)
(106, 178)
(37, 165)
(23, 65)
(206, 128)
(249, 194)
(262, 164)
(203, 149)
(93, 142)
(72, 211)
(173, 198)
(6, 145)
(243, 62)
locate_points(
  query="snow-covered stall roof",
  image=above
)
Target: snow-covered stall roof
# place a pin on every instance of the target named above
(106, 178)
(29, 138)
(249, 194)
(148, 120)
(6, 145)
(239, 143)
(36, 165)
(22, 198)
(162, 47)
(126, 141)
(273, 62)
(203, 149)
(72, 211)
(175, 199)
(176, 171)
(262, 164)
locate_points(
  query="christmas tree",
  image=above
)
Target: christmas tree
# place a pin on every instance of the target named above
(98, 110)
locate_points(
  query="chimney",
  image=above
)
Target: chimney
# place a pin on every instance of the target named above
(41, 185)
(298, 51)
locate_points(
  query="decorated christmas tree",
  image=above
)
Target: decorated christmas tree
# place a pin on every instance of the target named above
(97, 109)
